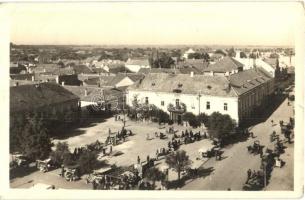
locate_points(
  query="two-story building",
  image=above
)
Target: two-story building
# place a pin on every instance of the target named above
(236, 95)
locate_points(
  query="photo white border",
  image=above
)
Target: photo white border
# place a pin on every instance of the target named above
(7, 193)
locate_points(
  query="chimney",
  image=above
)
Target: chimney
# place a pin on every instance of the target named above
(63, 83)
(86, 92)
(33, 78)
(192, 74)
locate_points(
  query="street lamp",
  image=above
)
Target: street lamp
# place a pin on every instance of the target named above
(199, 95)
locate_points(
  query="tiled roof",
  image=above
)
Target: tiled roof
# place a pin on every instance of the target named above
(82, 69)
(137, 62)
(30, 97)
(248, 79)
(226, 64)
(207, 85)
(93, 92)
(155, 70)
(92, 81)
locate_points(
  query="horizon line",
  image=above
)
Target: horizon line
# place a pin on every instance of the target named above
(189, 45)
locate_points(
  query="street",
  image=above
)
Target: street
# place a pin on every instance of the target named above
(230, 173)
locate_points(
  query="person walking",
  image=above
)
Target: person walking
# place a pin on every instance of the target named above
(139, 159)
(249, 173)
(261, 151)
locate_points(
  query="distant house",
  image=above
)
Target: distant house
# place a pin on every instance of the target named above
(97, 98)
(187, 53)
(250, 63)
(224, 67)
(136, 65)
(120, 80)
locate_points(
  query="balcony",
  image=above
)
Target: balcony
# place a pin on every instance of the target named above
(181, 108)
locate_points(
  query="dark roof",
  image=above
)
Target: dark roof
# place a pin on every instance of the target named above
(21, 76)
(92, 81)
(163, 82)
(30, 97)
(248, 79)
(226, 64)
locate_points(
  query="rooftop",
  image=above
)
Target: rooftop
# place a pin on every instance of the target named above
(226, 64)
(163, 82)
(33, 96)
(93, 92)
(248, 79)
(137, 62)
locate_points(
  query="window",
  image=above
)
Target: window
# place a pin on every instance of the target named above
(177, 102)
(225, 106)
(162, 103)
(208, 105)
(146, 100)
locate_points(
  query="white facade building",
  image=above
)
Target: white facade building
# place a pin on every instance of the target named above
(180, 93)
(186, 54)
(136, 65)
(250, 63)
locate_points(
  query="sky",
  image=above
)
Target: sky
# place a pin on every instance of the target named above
(147, 23)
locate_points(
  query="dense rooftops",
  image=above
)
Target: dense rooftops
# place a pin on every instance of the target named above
(226, 64)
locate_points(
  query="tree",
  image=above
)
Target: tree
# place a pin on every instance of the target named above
(220, 125)
(17, 124)
(87, 161)
(161, 60)
(178, 160)
(203, 118)
(231, 52)
(61, 154)
(154, 174)
(191, 119)
(242, 55)
(36, 144)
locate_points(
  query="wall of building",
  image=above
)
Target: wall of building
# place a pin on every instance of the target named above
(191, 101)
(136, 68)
(124, 82)
(258, 97)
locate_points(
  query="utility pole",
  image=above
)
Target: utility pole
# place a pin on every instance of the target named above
(199, 95)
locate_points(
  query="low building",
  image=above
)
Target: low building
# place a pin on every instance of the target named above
(250, 63)
(224, 67)
(236, 95)
(97, 98)
(187, 53)
(50, 99)
(135, 65)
